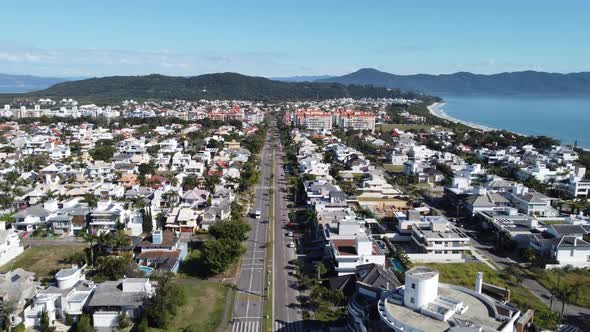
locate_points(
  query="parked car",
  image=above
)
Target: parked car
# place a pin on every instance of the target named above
(291, 245)
(290, 234)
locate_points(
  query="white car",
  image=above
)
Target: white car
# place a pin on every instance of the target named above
(291, 245)
(290, 234)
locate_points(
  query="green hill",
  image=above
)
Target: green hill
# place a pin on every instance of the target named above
(209, 86)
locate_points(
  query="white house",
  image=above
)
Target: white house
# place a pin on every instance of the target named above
(10, 246)
(350, 246)
(68, 297)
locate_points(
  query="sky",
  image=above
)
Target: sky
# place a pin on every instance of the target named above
(83, 38)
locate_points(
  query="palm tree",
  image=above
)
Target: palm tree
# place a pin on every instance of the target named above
(119, 240)
(564, 294)
(90, 199)
(91, 239)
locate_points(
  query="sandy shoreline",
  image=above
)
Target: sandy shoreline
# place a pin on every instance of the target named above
(435, 110)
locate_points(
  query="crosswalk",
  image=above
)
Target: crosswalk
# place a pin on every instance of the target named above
(255, 325)
(288, 327)
(249, 325)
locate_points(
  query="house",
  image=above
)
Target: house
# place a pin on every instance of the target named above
(35, 216)
(128, 180)
(508, 221)
(18, 286)
(183, 219)
(531, 202)
(66, 297)
(561, 230)
(196, 197)
(70, 219)
(162, 250)
(106, 216)
(10, 246)
(431, 238)
(112, 298)
(349, 246)
(215, 213)
(364, 288)
(570, 250)
(424, 304)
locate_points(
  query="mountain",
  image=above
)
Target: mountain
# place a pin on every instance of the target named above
(301, 78)
(209, 86)
(25, 83)
(463, 83)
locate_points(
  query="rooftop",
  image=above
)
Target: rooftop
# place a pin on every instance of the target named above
(478, 312)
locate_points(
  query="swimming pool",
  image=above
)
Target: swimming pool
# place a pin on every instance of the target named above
(146, 270)
(396, 265)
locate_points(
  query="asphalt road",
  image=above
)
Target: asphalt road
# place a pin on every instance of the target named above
(248, 307)
(286, 310)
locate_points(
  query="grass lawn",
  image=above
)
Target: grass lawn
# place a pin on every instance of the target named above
(387, 127)
(203, 311)
(393, 168)
(548, 279)
(463, 274)
(43, 260)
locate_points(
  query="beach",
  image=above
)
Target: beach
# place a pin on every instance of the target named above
(435, 109)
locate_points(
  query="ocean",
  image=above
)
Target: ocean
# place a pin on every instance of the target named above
(564, 118)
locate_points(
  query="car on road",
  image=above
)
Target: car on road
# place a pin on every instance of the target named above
(291, 245)
(290, 234)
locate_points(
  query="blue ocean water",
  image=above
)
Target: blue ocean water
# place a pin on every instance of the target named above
(567, 119)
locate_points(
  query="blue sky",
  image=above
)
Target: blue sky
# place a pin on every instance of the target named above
(285, 38)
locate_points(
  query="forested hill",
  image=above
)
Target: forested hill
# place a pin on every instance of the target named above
(463, 83)
(209, 86)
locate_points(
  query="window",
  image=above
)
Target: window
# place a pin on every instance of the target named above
(413, 286)
(412, 300)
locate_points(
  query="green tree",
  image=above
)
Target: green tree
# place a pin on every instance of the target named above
(115, 267)
(7, 308)
(90, 199)
(45, 327)
(189, 182)
(219, 254)
(119, 240)
(83, 324)
(232, 229)
(142, 326)
(91, 239)
(20, 328)
(162, 307)
(103, 152)
(147, 223)
(123, 321)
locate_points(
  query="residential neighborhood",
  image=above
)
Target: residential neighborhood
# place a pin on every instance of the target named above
(374, 215)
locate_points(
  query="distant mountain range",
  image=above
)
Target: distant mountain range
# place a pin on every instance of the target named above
(25, 83)
(209, 86)
(463, 83)
(302, 78)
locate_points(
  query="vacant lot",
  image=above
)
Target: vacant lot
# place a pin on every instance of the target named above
(44, 260)
(568, 279)
(463, 274)
(203, 311)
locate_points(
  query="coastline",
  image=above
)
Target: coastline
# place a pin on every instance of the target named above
(435, 110)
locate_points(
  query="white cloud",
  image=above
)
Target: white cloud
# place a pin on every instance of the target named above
(20, 59)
